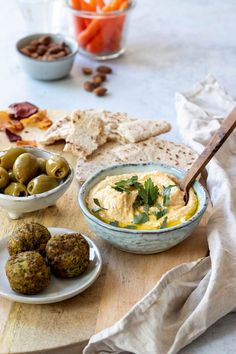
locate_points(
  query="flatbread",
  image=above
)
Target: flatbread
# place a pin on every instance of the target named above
(58, 131)
(87, 134)
(151, 150)
(117, 127)
(140, 130)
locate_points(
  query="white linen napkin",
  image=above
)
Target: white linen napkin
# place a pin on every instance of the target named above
(191, 297)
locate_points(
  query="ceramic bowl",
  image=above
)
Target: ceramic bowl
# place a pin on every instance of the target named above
(47, 70)
(17, 206)
(141, 241)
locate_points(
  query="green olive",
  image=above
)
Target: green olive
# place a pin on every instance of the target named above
(25, 167)
(41, 164)
(41, 184)
(16, 190)
(57, 167)
(12, 176)
(4, 178)
(8, 158)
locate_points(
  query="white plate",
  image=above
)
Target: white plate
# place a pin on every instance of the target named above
(58, 289)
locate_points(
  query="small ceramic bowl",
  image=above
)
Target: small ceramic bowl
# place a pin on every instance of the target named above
(141, 241)
(45, 69)
(17, 206)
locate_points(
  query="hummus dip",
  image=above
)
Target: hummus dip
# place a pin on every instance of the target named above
(144, 201)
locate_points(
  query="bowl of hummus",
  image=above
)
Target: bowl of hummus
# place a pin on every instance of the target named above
(140, 208)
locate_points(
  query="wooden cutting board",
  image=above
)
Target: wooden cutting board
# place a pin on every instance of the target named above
(125, 279)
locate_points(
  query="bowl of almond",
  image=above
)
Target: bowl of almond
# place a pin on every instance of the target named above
(47, 56)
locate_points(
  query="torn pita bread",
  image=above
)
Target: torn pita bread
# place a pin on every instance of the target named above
(117, 127)
(151, 150)
(58, 131)
(139, 130)
(87, 134)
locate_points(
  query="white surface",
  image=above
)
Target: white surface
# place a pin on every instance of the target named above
(58, 289)
(171, 45)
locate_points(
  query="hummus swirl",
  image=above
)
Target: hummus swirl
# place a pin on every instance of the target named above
(117, 207)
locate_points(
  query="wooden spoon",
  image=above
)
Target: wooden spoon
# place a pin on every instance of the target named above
(218, 139)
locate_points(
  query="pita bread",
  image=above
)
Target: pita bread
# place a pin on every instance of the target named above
(58, 131)
(117, 127)
(87, 134)
(155, 150)
(139, 130)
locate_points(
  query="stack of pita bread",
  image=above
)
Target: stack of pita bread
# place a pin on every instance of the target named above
(102, 138)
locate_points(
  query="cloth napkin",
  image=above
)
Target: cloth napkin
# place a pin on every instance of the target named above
(191, 297)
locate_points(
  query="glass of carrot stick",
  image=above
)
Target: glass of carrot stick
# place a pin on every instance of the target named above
(100, 26)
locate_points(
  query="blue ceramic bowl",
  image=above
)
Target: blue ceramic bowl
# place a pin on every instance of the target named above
(44, 69)
(141, 241)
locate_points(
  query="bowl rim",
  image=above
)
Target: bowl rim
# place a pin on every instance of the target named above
(66, 39)
(90, 216)
(92, 14)
(46, 194)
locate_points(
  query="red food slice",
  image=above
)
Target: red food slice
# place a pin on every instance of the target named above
(12, 136)
(22, 110)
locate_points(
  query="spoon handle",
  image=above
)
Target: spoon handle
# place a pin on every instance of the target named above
(217, 140)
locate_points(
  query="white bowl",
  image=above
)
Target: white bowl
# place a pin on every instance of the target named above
(44, 69)
(17, 206)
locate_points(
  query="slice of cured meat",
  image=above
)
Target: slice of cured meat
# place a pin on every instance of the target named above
(12, 136)
(22, 110)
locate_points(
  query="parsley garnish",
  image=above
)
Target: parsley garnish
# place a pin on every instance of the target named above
(140, 218)
(96, 201)
(130, 227)
(166, 194)
(160, 213)
(114, 223)
(126, 185)
(147, 194)
(164, 223)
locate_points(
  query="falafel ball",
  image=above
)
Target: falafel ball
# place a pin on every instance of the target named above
(68, 255)
(27, 273)
(29, 237)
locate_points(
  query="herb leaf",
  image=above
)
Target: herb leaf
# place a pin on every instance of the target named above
(114, 223)
(96, 201)
(166, 194)
(138, 202)
(164, 223)
(159, 214)
(130, 227)
(140, 218)
(147, 194)
(126, 185)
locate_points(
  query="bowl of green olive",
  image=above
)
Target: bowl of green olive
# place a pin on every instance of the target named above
(31, 179)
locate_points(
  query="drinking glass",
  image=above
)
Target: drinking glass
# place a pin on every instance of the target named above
(42, 16)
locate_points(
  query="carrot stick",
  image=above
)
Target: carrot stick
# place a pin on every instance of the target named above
(85, 6)
(103, 38)
(93, 5)
(79, 24)
(124, 5)
(101, 4)
(95, 26)
(86, 36)
(96, 45)
(76, 4)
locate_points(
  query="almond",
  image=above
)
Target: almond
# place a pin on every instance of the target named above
(89, 86)
(87, 71)
(100, 91)
(103, 69)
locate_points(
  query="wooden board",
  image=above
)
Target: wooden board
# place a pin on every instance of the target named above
(125, 279)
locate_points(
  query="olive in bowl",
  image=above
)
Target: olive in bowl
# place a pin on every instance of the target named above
(26, 186)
